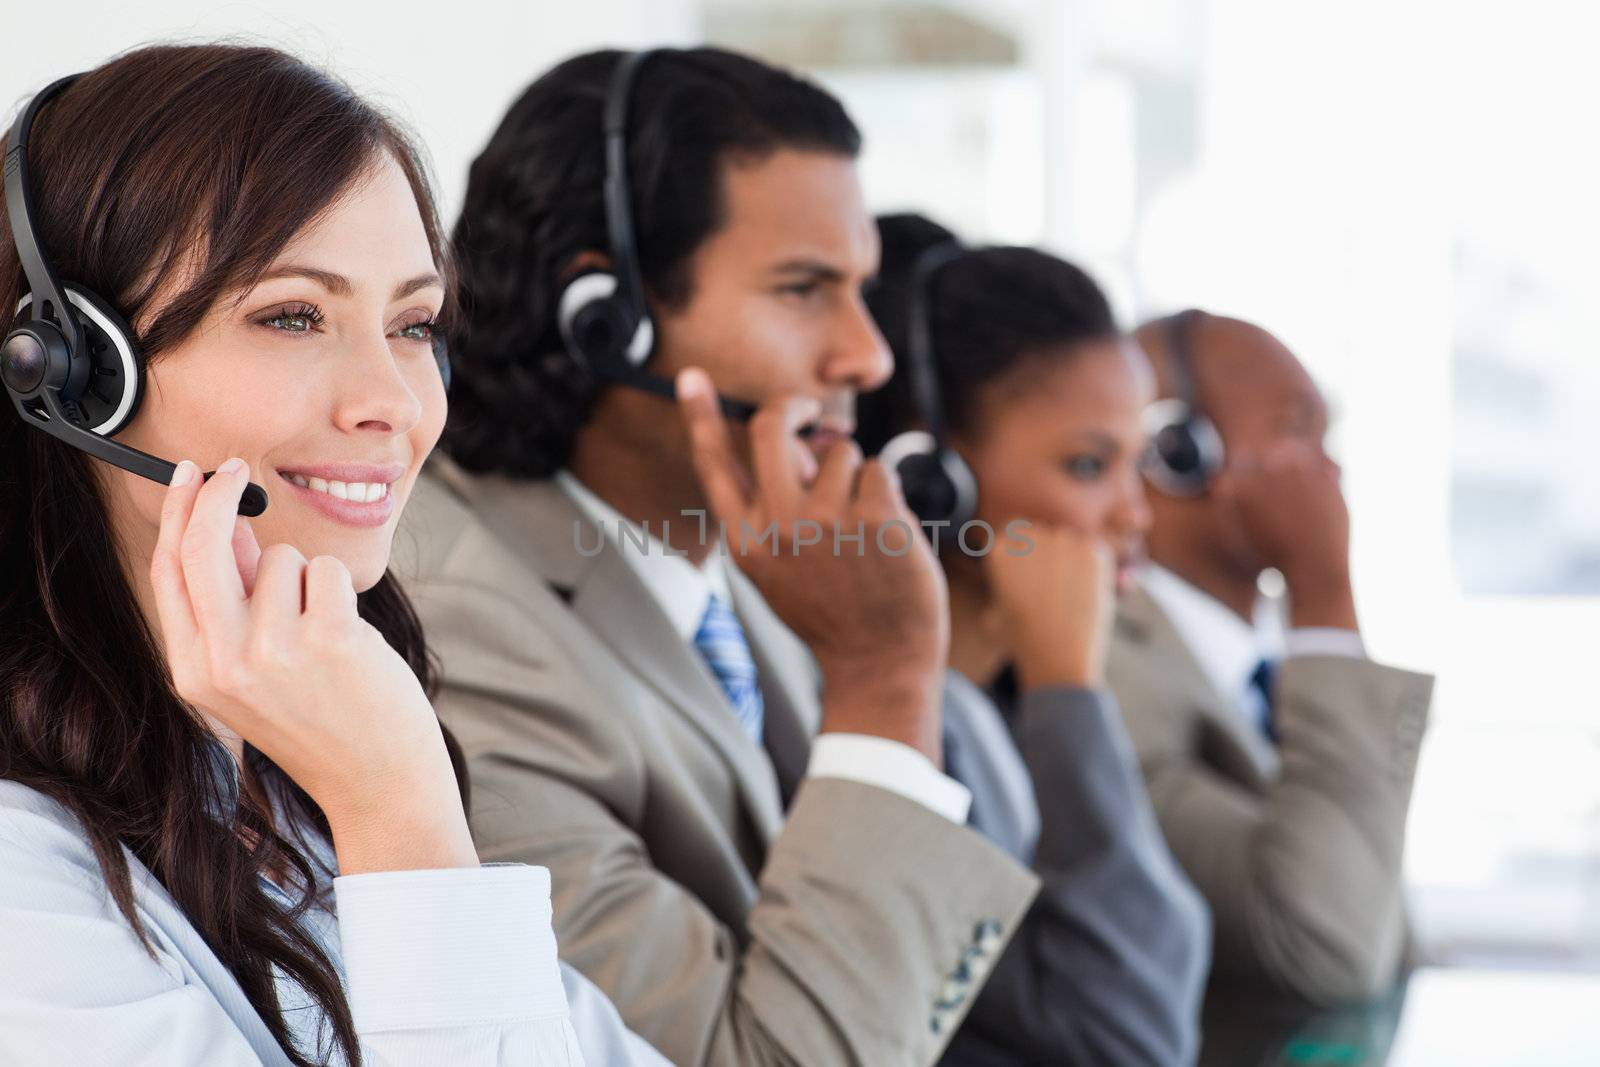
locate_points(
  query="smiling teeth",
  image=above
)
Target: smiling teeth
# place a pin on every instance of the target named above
(356, 492)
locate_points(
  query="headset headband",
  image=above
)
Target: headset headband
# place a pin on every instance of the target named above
(42, 281)
(921, 363)
(617, 191)
(1181, 360)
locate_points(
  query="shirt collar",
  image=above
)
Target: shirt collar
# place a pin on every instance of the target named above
(1227, 648)
(681, 589)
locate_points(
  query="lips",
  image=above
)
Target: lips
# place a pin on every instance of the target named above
(1128, 562)
(823, 434)
(354, 494)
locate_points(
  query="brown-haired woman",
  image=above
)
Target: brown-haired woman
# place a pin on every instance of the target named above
(232, 830)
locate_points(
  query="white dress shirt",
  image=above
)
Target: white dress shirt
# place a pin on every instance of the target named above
(683, 592)
(440, 966)
(1228, 649)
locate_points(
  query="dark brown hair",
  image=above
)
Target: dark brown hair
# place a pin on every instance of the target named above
(534, 202)
(201, 162)
(990, 311)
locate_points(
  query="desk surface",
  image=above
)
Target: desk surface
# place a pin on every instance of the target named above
(1436, 1018)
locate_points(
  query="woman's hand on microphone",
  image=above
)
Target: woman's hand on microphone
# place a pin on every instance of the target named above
(270, 646)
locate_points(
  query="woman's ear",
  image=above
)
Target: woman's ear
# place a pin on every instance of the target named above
(582, 263)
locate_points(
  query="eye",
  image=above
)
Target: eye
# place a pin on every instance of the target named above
(418, 331)
(800, 290)
(293, 318)
(1085, 467)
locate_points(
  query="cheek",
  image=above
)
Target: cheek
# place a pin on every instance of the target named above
(190, 413)
(435, 411)
(1041, 493)
(750, 344)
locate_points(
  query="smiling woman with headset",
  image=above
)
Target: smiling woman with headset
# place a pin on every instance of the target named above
(232, 830)
(1016, 406)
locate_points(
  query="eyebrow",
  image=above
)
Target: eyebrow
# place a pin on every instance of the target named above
(1099, 439)
(339, 285)
(816, 269)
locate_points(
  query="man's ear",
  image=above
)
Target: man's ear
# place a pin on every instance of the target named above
(584, 262)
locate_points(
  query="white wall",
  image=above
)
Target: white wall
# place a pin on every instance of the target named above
(448, 71)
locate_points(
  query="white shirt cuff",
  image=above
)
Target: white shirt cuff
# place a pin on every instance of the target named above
(1324, 641)
(889, 765)
(455, 947)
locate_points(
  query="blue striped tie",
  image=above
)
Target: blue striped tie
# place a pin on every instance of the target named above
(1261, 680)
(721, 641)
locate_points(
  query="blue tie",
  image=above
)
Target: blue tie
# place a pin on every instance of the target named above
(1261, 683)
(721, 641)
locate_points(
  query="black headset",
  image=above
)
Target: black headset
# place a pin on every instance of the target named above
(70, 363)
(603, 315)
(937, 483)
(1185, 450)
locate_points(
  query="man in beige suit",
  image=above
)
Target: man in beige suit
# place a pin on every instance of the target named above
(1281, 770)
(755, 875)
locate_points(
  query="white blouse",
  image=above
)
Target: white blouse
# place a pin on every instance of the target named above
(450, 967)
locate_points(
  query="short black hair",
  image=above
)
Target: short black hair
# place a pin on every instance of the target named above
(534, 202)
(989, 310)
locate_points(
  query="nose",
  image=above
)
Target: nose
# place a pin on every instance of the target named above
(376, 395)
(1131, 514)
(860, 358)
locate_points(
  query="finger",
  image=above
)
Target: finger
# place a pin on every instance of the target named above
(878, 493)
(722, 476)
(279, 597)
(173, 610)
(781, 474)
(215, 588)
(330, 592)
(246, 553)
(836, 482)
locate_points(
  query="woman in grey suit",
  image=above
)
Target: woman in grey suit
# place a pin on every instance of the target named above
(1040, 398)
(232, 831)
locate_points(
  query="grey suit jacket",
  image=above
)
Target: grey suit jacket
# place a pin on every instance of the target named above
(854, 931)
(1297, 849)
(1110, 963)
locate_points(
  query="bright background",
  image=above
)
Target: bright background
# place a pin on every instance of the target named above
(1402, 191)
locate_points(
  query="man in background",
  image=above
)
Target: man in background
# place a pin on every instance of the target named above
(1280, 764)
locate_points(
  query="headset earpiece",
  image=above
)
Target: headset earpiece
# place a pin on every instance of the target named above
(441, 356)
(104, 383)
(1186, 451)
(938, 485)
(69, 364)
(601, 328)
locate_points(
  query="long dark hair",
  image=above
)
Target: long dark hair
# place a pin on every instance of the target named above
(534, 203)
(197, 162)
(990, 310)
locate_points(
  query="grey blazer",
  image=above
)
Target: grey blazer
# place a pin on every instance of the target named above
(852, 929)
(1297, 849)
(1110, 963)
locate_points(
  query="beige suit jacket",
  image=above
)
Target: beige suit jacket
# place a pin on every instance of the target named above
(854, 930)
(1297, 848)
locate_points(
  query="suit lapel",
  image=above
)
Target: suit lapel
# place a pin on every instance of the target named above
(1231, 743)
(588, 569)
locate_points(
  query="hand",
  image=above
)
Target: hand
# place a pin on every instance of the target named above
(1288, 500)
(270, 646)
(1056, 601)
(876, 621)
